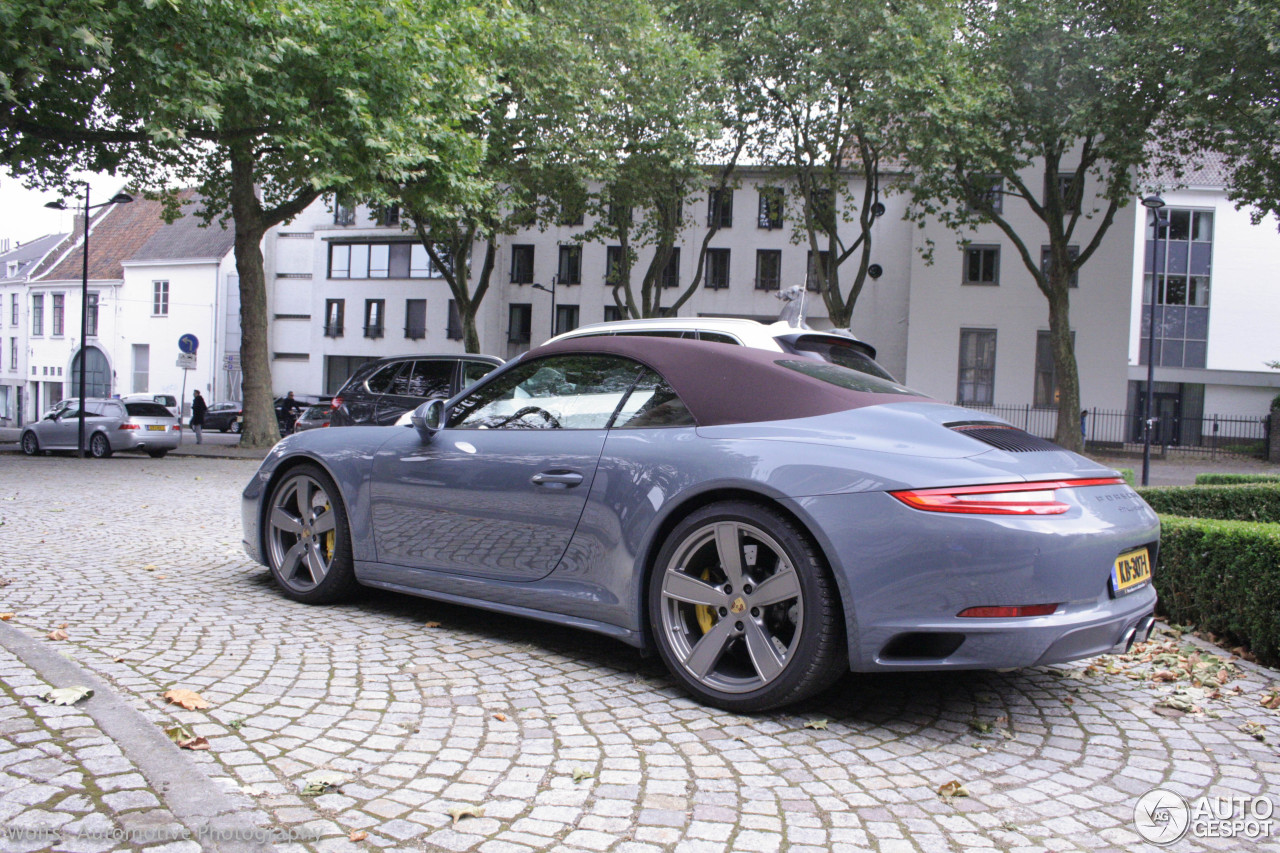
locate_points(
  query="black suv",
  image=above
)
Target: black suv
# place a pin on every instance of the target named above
(381, 391)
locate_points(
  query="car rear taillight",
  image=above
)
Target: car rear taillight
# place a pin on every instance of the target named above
(1007, 612)
(128, 426)
(177, 427)
(999, 499)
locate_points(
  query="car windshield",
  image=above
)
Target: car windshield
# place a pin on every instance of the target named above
(846, 377)
(836, 351)
(147, 410)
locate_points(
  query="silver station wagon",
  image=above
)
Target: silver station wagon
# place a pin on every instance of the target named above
(110, 425)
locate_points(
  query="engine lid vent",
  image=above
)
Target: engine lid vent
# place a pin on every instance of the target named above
(1008, 438)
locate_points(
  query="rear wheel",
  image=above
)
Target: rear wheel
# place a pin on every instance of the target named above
(308, 538)
(235, 427)
(99, 446)
(30, 444)
(744, 609)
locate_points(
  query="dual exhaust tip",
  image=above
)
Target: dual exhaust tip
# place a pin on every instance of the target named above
(1138, 633)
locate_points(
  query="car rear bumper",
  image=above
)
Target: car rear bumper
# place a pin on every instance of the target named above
(145, 440)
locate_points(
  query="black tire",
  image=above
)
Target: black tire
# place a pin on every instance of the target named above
(30, 444)
(99, 446)
(158, 453)
(307, 538)
(224, 428)
(235, 427)
(773, 637)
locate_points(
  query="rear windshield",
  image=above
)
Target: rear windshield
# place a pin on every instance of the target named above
(845, 354)
(147, 410)
(846, 377)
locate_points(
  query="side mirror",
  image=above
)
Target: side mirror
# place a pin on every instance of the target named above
(428, 418)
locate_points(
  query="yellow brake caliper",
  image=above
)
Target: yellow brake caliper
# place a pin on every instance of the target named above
(705, 613)
(328, 537)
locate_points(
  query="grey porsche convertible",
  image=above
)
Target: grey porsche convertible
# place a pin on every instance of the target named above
(766, 521)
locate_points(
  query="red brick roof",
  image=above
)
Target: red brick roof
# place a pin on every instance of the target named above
(115, 234)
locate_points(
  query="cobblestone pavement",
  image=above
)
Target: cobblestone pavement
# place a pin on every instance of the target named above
(400, 723)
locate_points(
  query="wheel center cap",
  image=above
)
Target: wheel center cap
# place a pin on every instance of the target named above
(738, 606)
(306, 532)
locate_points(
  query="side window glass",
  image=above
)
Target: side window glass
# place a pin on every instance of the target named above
(718, 338)
(474, 370)
(557, 392)
(380, 382)
(428, 379)
(652, 403)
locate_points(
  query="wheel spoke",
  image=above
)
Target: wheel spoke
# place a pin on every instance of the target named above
(282, 520)
(704, 656)
(729, 550)
(683, 587)
(289, 562)
(782, 586)
(764, 655)
(316, 565)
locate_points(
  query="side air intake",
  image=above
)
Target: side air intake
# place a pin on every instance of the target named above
(1007, 438)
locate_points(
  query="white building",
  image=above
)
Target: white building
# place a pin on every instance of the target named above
(16, 266)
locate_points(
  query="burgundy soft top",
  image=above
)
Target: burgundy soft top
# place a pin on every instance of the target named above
(727, 384)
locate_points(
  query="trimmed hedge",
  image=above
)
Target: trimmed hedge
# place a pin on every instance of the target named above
(1224, 577)
(1235, 479)
(1250, 502)
(1127, 474)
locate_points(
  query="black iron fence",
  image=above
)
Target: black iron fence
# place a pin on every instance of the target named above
(1121, 430)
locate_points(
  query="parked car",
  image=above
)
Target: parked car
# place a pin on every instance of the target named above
(380, 391)
(288, 411)
(313, 418)
(169, 401)
(838, 346)
(765, 520)
(225, 416)
(110, 425)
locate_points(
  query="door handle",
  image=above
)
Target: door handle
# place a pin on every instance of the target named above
(557, 479)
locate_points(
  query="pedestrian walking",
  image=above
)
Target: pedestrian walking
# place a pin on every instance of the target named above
(198, 408)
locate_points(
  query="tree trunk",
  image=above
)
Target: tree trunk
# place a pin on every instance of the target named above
(260, 429)
(1064, 364)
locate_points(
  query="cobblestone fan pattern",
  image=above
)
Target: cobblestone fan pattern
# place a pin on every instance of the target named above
(408, 724)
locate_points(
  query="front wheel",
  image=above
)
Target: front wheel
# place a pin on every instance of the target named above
(99, 446)
(235, 427)
(744, 610)
(308, 538)
(30, 444)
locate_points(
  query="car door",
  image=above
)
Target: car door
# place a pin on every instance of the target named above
(499, 491)
(63, 430)
(416, 382)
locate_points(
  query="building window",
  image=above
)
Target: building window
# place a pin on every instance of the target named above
(619, 216)
(670, 276)
(13, 309)
(981, 265)
(339, 368)
(770, 209)
(987, 193)
(811, 271)
(717, 271)
(1046, 390)
(13, 353)
(387, 215)
(614, 268)
(334, 311)
(91, 315)
(1182, 278)
(374, 309)
(570, 268)
(720, 208)
(453, 329)
(37, 314)
(522, 264)
(380, 260)
(566, 318)
(519, 323)
(1070, 191)
(768, 269)
(822, 207)
(976, 378)
(612, 314)
(159, 299)
(572, 212)
(141, 367)
(344, 214)
(1046, 260)
(59, 313)
(415, 319)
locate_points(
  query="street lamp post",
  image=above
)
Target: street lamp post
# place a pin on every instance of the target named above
(118, 198)
(1155, 204)
(552, 291)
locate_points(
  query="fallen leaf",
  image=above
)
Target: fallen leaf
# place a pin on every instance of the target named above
(5, 617)
(185, 738)
(954, 788)
(502, 718)
(63, 625)
(67, 695)
(459, 812)
(58, 634)
(1270, 701)
(1254, 730)
(816, 724)
(188, 699)
(162, 577)
(149, 568)
(357, 835)
(319, 783)
(980, 726)
(433, 625)
(580, 773)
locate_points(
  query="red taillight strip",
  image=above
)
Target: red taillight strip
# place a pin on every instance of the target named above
(961, 498)
(1006, 612)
